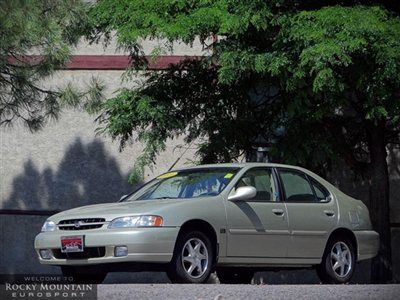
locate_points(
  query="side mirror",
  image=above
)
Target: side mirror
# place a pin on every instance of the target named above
(243, 193)
(122, 198)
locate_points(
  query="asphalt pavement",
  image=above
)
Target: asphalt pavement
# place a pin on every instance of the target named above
(226, 291)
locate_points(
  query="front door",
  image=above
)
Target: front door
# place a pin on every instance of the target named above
(258, 227)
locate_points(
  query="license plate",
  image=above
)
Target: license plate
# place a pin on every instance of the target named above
(72, 243)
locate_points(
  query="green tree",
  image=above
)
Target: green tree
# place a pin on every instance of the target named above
(35, 40)
(318, 83)
(341, 68)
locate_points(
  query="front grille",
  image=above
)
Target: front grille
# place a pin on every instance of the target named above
(81, 224)
(89, 252)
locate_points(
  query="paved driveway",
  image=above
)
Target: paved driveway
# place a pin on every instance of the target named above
(221, 291)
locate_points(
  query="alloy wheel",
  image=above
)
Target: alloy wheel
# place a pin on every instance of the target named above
(195, 257)
(341, 259)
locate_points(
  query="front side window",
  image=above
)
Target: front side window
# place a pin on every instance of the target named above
(263, 181)
(192, 183)
(296, 186)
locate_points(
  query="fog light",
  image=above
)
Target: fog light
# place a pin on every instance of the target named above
(120, 251)
(45, 253)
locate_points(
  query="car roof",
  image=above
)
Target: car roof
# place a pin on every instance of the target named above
(240, 165)
(260, 164)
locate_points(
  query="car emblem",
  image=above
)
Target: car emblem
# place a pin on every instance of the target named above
(77, 224)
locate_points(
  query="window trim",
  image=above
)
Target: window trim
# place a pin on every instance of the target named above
(309, 182)
(276, 184)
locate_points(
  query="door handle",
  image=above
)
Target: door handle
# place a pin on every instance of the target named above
(329, 213)
(278, 212)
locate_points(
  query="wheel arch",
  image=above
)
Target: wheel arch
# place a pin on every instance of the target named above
(203, 226)
(345, 232)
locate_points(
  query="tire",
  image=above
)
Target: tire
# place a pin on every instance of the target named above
(339, 252)
(235, 276)
(83, 275)
(193, 259)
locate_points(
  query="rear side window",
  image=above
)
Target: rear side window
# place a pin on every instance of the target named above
(321, 192)
(296, 186)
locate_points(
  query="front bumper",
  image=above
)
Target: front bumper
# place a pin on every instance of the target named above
(367, 244)
(150, 245)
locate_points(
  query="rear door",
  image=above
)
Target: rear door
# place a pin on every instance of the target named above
(258, 227)
(312, 213)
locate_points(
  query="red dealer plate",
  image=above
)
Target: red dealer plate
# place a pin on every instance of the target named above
(72, 243)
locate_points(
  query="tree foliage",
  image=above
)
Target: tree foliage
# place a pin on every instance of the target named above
(185, 100)
(35, 40)
(309, 55)
(340, 67)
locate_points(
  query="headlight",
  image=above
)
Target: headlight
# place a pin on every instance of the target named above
(139, 221)
(48, 226)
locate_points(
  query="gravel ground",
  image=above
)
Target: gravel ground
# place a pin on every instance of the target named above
(221, 291)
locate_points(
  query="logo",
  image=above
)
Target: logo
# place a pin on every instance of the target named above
(44, 286)
(78, 224)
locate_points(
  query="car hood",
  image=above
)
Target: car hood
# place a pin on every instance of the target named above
(110, 211)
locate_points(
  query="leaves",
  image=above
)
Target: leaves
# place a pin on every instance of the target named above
(46, 29)
(301, 77)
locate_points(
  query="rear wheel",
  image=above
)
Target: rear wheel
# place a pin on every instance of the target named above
(235, 276)
(192, 260)
(83, 275)
(338, 262)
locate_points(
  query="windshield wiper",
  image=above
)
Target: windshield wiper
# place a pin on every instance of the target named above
(164, 198)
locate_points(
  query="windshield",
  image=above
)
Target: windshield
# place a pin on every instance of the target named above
(192, 183)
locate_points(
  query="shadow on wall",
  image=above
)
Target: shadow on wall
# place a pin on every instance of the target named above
(394, 171)
(357, 187)
(86, 175)
(394, 159)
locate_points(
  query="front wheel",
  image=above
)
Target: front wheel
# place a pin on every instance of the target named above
(192, 260)
(338, 262)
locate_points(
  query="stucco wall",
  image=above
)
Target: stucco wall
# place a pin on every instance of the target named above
(66, 164)
(148, 47)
